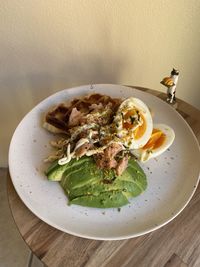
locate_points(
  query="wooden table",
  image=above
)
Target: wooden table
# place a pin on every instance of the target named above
(176, 244)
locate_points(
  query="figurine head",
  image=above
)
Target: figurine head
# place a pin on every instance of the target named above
(175, 72)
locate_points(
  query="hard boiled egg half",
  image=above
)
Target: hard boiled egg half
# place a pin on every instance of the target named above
(161, 139)
(133, 123)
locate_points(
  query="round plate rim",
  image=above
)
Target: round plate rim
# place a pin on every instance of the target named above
(121, 237)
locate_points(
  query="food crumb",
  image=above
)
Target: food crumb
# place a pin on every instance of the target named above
(34, 140)
(103, 213)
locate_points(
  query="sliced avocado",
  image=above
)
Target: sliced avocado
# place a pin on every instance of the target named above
(53, 166)
(56, 171)
(113, 199)
(98, 187)
(135, 174)
(85, 174)
(87, 185)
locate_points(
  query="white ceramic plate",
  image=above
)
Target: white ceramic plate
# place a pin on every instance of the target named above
(172, 177)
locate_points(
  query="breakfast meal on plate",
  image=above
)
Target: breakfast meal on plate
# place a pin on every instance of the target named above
(101, 141)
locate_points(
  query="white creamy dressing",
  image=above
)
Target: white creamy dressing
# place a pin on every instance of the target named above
(66, 159)
(70, 156)
(89, 153)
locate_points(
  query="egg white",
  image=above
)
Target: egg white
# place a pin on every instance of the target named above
(124, 134)
(146, 154)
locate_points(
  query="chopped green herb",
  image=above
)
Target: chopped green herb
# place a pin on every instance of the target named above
(129, 143)
(132, 119)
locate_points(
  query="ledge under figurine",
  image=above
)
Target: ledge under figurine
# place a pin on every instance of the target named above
(171, 83)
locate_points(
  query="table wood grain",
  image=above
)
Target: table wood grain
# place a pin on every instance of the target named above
(177, 244)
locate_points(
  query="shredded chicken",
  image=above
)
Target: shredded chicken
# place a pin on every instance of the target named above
(105, 163)
(122, 165)
(81, 151)
(75, 118)
(106, 160)
(112, 150)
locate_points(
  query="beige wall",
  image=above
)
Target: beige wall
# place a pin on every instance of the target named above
(46, 46)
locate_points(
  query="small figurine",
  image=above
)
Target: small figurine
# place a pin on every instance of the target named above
(170, 83)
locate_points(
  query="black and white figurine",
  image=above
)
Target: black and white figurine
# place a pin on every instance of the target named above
(171, 83)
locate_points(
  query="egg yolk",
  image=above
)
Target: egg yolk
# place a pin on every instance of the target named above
(128, 123)
(139, 131)
(156, 140)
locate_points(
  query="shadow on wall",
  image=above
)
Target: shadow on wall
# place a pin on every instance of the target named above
(36, 85)
(35, 68)
(35, 74)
